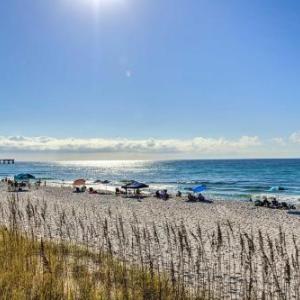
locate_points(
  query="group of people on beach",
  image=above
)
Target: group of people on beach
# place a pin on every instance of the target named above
(197, 198)
(159, 194)
(19, 186)
(273, 203)
(191, 197)
(163, 194)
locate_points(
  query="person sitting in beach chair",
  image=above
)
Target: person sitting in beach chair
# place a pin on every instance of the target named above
(77, 190)
(258, 203)
(275, 203)
(179, 194)
(291, 206)
(201, 198)
(164, 195)
(92, 191)
(191, 198)
(265, 202)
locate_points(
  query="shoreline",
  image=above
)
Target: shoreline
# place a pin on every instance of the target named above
(175, 209)
(238, 197)
(224, 179)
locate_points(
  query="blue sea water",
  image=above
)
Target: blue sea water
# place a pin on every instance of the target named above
(237, 179)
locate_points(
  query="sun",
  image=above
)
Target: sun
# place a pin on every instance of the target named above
(98, 3)
(96, 6)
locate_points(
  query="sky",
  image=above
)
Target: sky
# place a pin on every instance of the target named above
(97, 79)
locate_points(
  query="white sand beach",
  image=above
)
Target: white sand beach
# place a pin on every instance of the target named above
(176, 210)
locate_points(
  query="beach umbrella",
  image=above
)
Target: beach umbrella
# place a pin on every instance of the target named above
(23, 177)
(79, 182)
(135, 185)
(199, 189)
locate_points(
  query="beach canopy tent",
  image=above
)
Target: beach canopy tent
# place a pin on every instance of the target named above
(79, 182)
(199, 189)
(23, 177)
(135, 185)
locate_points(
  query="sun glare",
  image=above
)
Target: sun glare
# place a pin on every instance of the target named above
(99, 3)
(95, 6)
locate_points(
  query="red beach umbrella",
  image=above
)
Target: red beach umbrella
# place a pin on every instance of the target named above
(79, 182)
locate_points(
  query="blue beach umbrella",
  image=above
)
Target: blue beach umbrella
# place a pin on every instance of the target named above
(23, 177)
(199, 189)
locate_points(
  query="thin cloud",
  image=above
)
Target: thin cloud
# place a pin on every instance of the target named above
(279, 141)
(98, 145)
(295, 137)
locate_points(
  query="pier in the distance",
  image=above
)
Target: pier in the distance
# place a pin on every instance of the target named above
(7, 161)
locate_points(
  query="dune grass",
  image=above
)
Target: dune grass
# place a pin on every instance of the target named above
(34, 269)
(86, 255)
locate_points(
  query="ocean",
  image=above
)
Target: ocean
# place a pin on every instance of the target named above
(224, 179)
